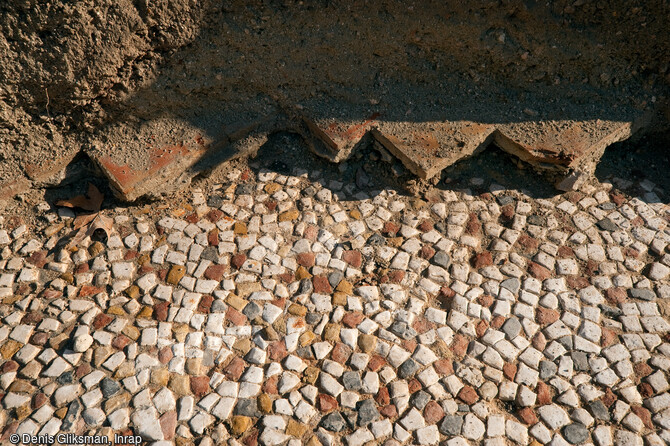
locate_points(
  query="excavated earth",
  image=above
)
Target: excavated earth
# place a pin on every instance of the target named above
(155, 93)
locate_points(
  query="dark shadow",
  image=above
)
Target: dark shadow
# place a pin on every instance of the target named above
(75, 179)
(364, 175)
(640, 167)
(78, 173)
(372, 169)
(493, 167)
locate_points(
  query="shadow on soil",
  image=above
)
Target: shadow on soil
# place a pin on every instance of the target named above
(428, 62)
(372, 169)
(642, 163)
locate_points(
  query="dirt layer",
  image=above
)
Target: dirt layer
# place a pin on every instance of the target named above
(94, 74)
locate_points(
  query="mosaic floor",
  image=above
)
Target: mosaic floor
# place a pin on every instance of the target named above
(280, 309)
